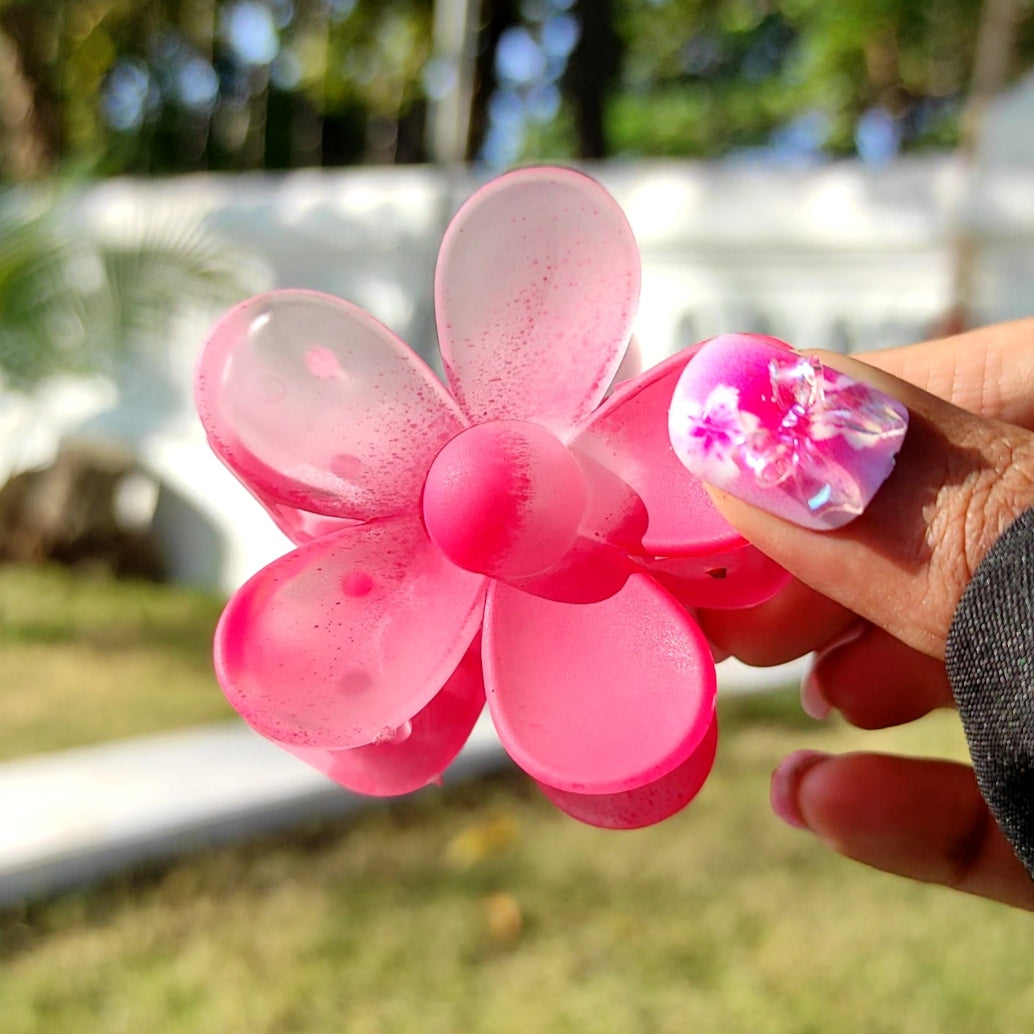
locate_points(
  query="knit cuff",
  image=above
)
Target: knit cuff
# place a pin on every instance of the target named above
(990, 663)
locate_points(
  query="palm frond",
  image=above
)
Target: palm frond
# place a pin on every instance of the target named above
(147, 283)
(78, 304)
(42, 311)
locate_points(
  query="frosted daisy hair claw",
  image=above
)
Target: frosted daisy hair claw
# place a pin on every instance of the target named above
(515, 535)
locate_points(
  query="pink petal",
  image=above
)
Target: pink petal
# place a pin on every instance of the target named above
(342, 641)
(628, 436)
(631, 363)
(302, 526)
(420, 750)
(535, 292)
(597, 698)
(741, 577)
(647, 804)
(590, 571)
(316, 405)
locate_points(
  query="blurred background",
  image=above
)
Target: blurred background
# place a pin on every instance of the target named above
(127, 86)
(853, 175)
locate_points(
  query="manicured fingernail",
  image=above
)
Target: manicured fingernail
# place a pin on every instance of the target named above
(786, 780)
(813, 699)
(813, 703)
(780, 431)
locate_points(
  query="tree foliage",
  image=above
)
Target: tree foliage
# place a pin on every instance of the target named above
(704, 78)
(110, 86)
(175, 85)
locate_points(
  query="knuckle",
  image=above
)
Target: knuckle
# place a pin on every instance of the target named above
(981, 503)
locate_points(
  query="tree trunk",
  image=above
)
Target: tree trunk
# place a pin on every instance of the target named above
(496, 17)
(591, 73)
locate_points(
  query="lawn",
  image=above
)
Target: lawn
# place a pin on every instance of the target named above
(482, 910)
(85, 659)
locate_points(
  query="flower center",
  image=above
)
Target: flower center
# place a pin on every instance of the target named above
(504, 499)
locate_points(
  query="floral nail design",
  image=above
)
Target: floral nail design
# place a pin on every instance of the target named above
(782, 431)
(716, 430)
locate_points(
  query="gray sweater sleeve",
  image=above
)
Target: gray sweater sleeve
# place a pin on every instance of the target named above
(990, 662)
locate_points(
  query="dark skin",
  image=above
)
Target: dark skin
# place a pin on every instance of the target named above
(891, 580)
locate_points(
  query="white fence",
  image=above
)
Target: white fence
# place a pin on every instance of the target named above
(837, 256)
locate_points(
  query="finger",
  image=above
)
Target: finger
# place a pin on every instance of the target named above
(874, 680)
(959, 481)
(989, 371)
(792, 623)
(917, 818)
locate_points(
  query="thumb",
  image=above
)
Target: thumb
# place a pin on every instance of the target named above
(873, 492)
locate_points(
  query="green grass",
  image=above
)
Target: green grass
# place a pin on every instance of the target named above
(479, 909)
(87, 659)
(484, 911)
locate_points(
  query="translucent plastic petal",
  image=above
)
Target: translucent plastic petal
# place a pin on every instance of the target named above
(341, 642)
(597, 698)
(535, 291)
(631, 364)
(588, 573)
(648, 804)
(314, 404)
(628, 435)
(742, 577)
(302, 526)
(420, 750)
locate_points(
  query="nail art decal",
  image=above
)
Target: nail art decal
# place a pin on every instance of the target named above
(783, 432)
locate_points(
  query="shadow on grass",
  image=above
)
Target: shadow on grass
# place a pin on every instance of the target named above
(213, 871)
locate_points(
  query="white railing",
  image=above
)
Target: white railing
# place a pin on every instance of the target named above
(836, 256)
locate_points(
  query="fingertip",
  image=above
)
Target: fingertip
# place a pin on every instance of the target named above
(920, 818)
(814, 699)
(786, 785)
(813, 702)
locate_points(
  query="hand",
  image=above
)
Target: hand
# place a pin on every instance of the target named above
(875, 598)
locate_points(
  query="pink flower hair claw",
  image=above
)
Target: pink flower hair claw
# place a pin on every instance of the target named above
(520, 536)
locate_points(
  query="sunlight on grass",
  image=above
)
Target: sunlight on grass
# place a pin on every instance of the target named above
(483, 910)
(87, 659)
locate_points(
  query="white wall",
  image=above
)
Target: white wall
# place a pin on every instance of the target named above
(837, 256)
